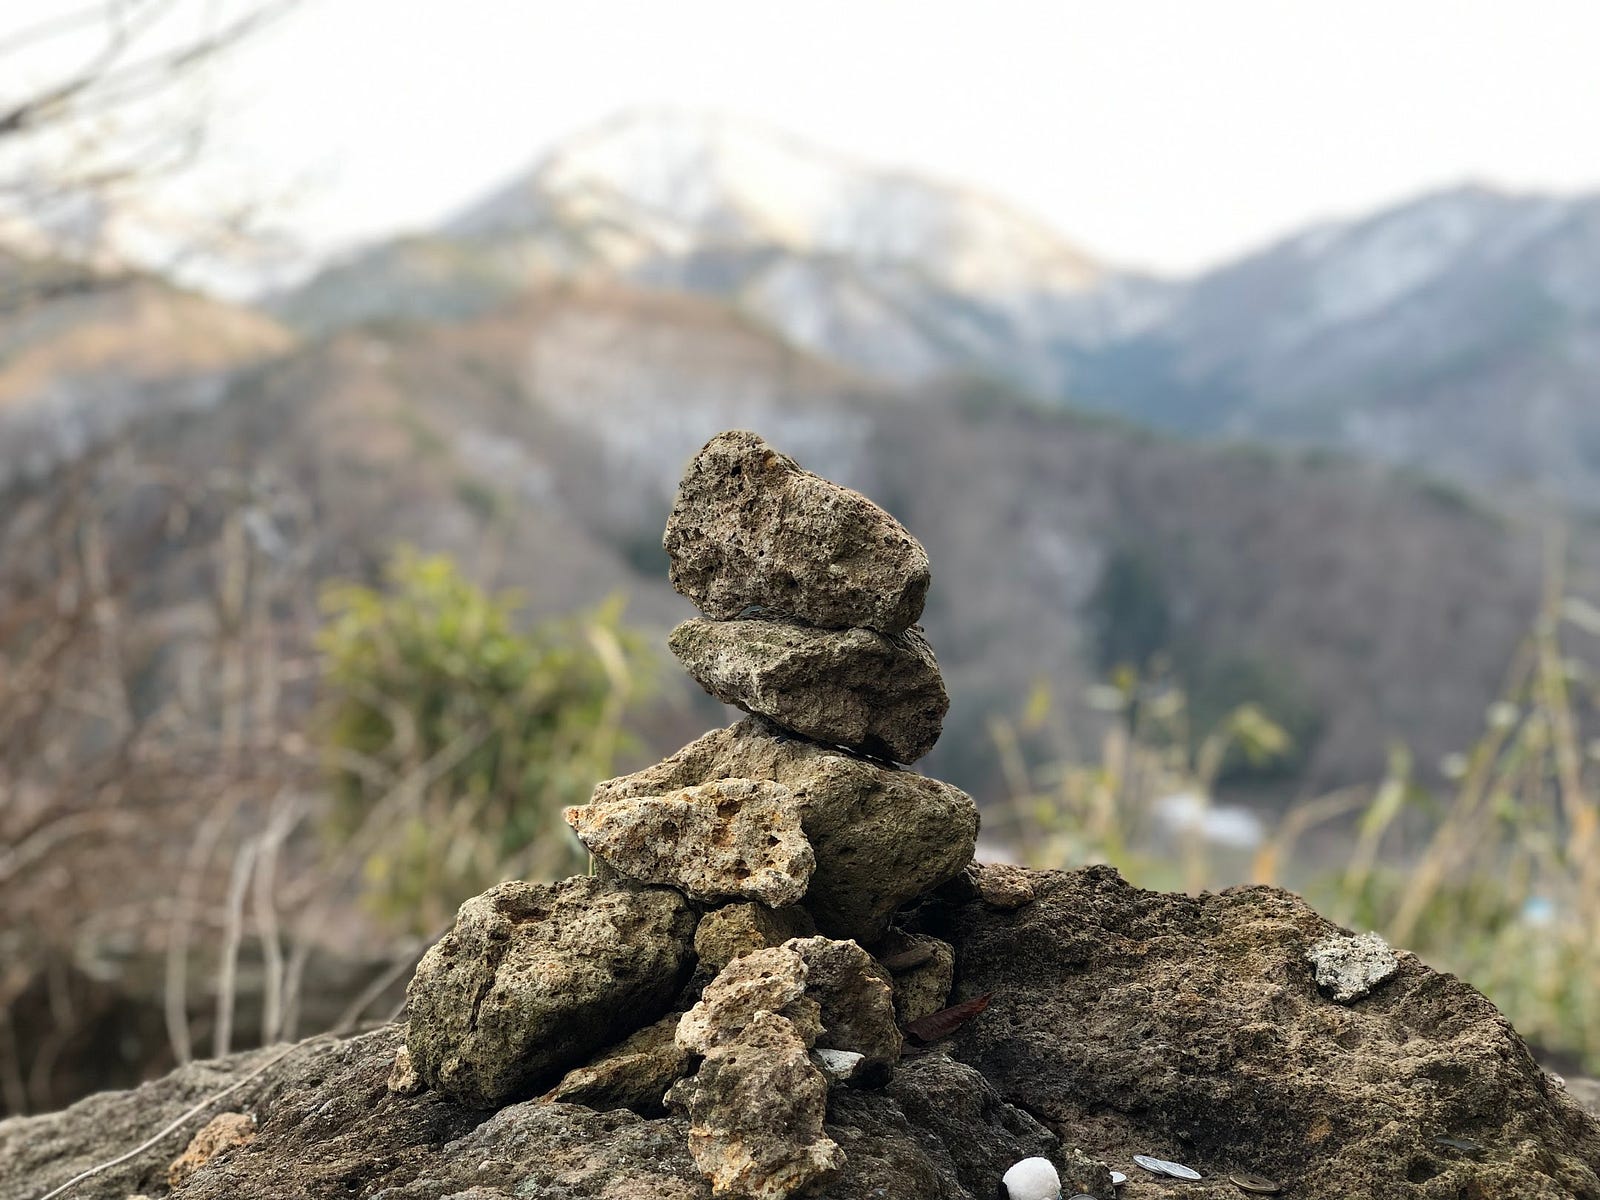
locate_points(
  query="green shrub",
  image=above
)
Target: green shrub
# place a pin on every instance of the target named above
(454, 737)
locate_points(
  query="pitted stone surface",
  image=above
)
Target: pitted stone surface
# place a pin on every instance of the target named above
(857, 1002)
(1348, 967)
(877, 694)
(720, 840)
(881, 836)
(923, 969)
(772, 981)
(751, 529)
(756, 1109)
(534, 978)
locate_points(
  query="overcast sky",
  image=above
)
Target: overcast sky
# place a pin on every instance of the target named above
(1166, 134)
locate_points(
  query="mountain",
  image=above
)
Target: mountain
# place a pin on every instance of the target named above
(898, 276)
(1458, 333)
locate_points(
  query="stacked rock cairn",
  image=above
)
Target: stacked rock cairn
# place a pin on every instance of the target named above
(734, 955)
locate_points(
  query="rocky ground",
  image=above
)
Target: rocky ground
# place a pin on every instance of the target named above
(1123, 1022)
(786, 977)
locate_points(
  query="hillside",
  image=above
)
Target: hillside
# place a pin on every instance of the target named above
(80, 357)
(541, 444)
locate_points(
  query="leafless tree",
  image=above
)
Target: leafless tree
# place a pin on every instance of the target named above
(100, 105)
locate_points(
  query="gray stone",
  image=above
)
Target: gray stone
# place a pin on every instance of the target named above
(735, 929)
(1348, 967)
(534, 978)
(635, 1074)
(882, 836)
(720, 840)
(857, 1002)
(874, 693)
(750, 528)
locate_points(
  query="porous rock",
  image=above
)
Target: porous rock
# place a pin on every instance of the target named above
(874, 693)
(1132, 1020)
(533, 978)
(403, 1078)
(222, 1132)
(857, 1002)
(923, 971)
(882, 836)
(772, 981)
(743, 928)
(635, 1074)
(1348, 967)
(720, 840)
(756, 1109)
(750, 528)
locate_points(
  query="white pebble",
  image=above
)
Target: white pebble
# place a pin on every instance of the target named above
(1032, 1179)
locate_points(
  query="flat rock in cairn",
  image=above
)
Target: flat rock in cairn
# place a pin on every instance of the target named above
(882, 836)
(879, 694)
(534, 978)
(726, 933)
(728, 839)
(750, 528)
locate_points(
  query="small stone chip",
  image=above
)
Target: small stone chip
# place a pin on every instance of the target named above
(1118, 1179)
(1160, 1166)
(1347, 967)
(1259, 1184)
(1466, 1145)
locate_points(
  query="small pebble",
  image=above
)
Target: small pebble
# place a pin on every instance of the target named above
(1031, 1179)
(1118, 1179)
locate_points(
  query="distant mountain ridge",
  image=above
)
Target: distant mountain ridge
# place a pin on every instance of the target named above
(1458, 332)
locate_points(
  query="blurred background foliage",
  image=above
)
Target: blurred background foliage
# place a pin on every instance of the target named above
(455, 734)
(1494, 876)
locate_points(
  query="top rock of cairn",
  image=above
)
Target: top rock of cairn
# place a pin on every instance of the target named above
(752, 530)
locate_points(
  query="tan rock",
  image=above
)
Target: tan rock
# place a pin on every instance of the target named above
(756, 1110)
(877, 694)
(534, 978)
(222, 1132)
(743, 928)
(750, 528)
(720, 840)
(635, 1074)
(857, 1002)
(881, 836)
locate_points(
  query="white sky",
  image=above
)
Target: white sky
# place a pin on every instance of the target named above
(1166, 134)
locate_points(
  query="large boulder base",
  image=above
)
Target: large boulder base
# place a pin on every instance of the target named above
(1193, 1029)
(751, 529)
(728, 839)
(534, 978)
(879, 695)
(328, 1126)
(882, 836)
(1131, 1022)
